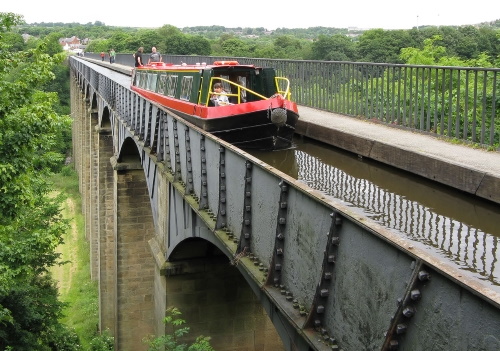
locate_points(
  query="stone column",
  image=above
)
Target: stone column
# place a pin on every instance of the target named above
(106, 252)
(135, 269)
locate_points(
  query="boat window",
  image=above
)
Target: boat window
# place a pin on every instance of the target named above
(171, 85)
(139, 80)
(136, 79)
(162, 84)
(151, 85)
(187, 84)
(225, 85)
(242, 80)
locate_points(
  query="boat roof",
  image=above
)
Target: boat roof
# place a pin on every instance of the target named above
(197, 66)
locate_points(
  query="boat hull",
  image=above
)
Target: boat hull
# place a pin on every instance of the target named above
(247, 125)
(253, 130)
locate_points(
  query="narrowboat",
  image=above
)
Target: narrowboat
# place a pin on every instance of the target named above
(259, 113)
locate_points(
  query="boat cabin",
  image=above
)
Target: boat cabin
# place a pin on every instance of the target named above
(194, 83)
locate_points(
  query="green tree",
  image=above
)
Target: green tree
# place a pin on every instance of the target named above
(430, 54)
(14, 41)
(31, 225)
(234, 47)
(378, 45)
(336, 47)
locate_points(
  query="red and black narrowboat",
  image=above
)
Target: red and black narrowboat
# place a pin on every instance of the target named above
(260, 114)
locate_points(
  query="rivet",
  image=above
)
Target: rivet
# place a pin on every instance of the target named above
(423, 276)
(248, 208)
(335, 240)
(409, 311)
(248, 193)
(247, 222)
(328, 276)
(223, 175)
(223, 200)
(223, 212)
(393, 345)
(415, 295)
(282, 220)
(401, 328)
(247, 235)
(320, 309)
(277, 267)
(283, 204)
(317, 322)
(249, 179)
(280, 236)
(331, 258)
(279, 251)
(324, 292)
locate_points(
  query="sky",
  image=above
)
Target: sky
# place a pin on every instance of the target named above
(363, 14)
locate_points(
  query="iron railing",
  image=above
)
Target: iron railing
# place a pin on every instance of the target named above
(461, 103)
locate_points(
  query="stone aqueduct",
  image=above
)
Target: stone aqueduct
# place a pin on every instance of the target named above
(176, 217)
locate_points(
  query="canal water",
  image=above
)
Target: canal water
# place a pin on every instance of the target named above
(461, 227)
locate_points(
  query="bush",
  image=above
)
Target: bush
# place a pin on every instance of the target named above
(170, 342)
(102, 342)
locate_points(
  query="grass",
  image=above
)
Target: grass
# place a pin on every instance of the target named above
(75, 286)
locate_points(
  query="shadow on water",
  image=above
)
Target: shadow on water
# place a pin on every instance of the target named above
(461, 226)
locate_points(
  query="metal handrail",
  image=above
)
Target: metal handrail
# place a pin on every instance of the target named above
(237, 95)
(454, 102)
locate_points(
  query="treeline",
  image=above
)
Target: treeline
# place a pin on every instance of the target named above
(34, 139)
(316, 43)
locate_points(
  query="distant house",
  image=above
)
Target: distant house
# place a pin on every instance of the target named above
(73, 44)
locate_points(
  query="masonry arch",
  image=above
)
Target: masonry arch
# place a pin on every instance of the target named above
(105, 119)
(226, 308)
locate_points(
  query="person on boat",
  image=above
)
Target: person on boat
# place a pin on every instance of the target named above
(138, 57)
(220, 97)
(155, 56)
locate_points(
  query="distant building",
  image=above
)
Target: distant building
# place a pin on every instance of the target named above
(26, 37)
(73, 44)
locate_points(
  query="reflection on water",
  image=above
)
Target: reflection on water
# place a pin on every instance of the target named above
(462, 227)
